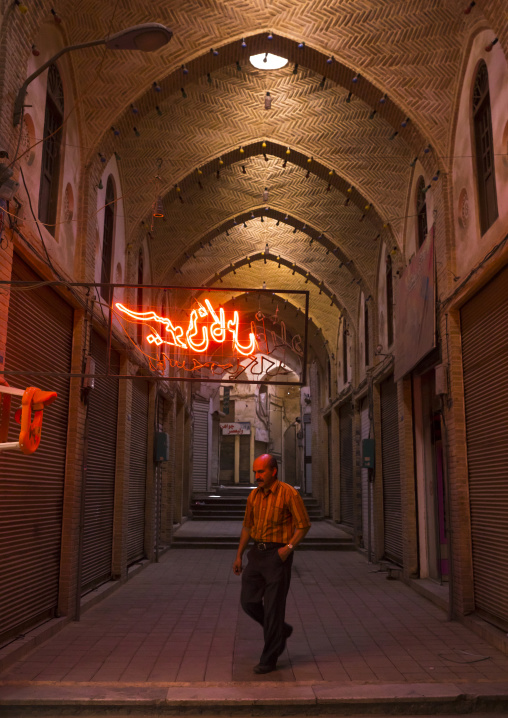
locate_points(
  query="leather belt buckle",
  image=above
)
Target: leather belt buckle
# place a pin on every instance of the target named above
(261, 546)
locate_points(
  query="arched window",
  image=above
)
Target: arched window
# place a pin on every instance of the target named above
(484, 148)
(389, 299)
(50, 171)
(140, 294)
(107, 240)
(366, 334)
(421, 212)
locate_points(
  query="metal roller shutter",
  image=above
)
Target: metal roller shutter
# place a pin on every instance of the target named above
(101, 469)
(484, 324)
(392, 508)
(137, 471)
(365, 433)
(200, 447)
(39, 338)
(346, 466)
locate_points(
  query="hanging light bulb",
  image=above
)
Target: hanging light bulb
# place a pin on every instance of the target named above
(35, 51)
(242, 151)
(100, 185)
(244, 44)
(265, 194)
(288, 151)
(263, 145)
(269, 36)
(156, 87)
(56, 17)
(268, 101)
(158, 210)
(158, 110)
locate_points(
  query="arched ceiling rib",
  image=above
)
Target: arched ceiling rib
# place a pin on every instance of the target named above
(214, 120)
(257, 218)
(235, 193)
(225, 256)
(324, 316)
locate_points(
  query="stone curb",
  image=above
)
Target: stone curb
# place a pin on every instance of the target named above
(214, 697)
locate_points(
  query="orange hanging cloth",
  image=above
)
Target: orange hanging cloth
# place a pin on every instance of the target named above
(35, 400)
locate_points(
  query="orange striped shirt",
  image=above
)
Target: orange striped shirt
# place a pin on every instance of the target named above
(274, 516)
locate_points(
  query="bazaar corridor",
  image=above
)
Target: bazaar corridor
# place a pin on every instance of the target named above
(177, 626)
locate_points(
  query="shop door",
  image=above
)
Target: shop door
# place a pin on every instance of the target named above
(101, 469)
(200, 447)
(484, 324)
(32, 487)
(392, 508)
(137, 471)
(346, 466)
(365, 434)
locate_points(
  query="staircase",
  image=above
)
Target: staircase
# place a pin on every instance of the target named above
(225, 507)
(228, 504)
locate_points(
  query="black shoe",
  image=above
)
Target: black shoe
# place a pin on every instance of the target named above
(264, 667)
(287, 634)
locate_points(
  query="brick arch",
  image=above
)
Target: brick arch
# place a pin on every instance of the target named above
(311, 58)
(295, 157)
(325, 299)
(334, 251)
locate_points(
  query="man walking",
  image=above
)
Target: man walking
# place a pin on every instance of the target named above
(277, 520)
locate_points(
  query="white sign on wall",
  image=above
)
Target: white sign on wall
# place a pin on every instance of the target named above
(240, 428)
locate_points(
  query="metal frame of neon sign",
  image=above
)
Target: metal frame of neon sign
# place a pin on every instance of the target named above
(228, 327)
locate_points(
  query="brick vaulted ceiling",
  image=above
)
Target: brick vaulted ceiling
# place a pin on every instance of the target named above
(409, 51)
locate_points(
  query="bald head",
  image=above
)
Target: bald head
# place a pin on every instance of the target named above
(265, 469)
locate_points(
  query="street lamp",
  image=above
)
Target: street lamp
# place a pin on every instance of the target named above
(147, 37)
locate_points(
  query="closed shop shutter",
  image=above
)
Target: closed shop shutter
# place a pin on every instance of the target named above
(101, 469)
(365, 432)
(159, 508)
(39, 338)
(200, 447)
(346, 466)
(484, 324)
(392, 508)
(137, 471)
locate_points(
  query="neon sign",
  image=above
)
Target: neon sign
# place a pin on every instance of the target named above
(197, 336)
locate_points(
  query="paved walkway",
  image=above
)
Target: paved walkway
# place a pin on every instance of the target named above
(228, 529)
(179, 621)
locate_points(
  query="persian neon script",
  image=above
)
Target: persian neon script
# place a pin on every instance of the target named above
(197, 335)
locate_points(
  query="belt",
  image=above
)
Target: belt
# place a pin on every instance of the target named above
(264, 546)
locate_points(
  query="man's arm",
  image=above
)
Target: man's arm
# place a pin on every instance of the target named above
(297, 536)
(244, 540)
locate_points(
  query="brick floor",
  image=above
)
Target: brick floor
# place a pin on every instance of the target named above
(179, 620)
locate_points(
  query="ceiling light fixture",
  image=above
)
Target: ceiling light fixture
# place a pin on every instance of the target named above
(146, 38)
(268, 61)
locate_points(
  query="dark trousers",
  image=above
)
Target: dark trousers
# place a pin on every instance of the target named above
(265, 586)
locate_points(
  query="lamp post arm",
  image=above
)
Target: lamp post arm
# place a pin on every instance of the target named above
(20, 98)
